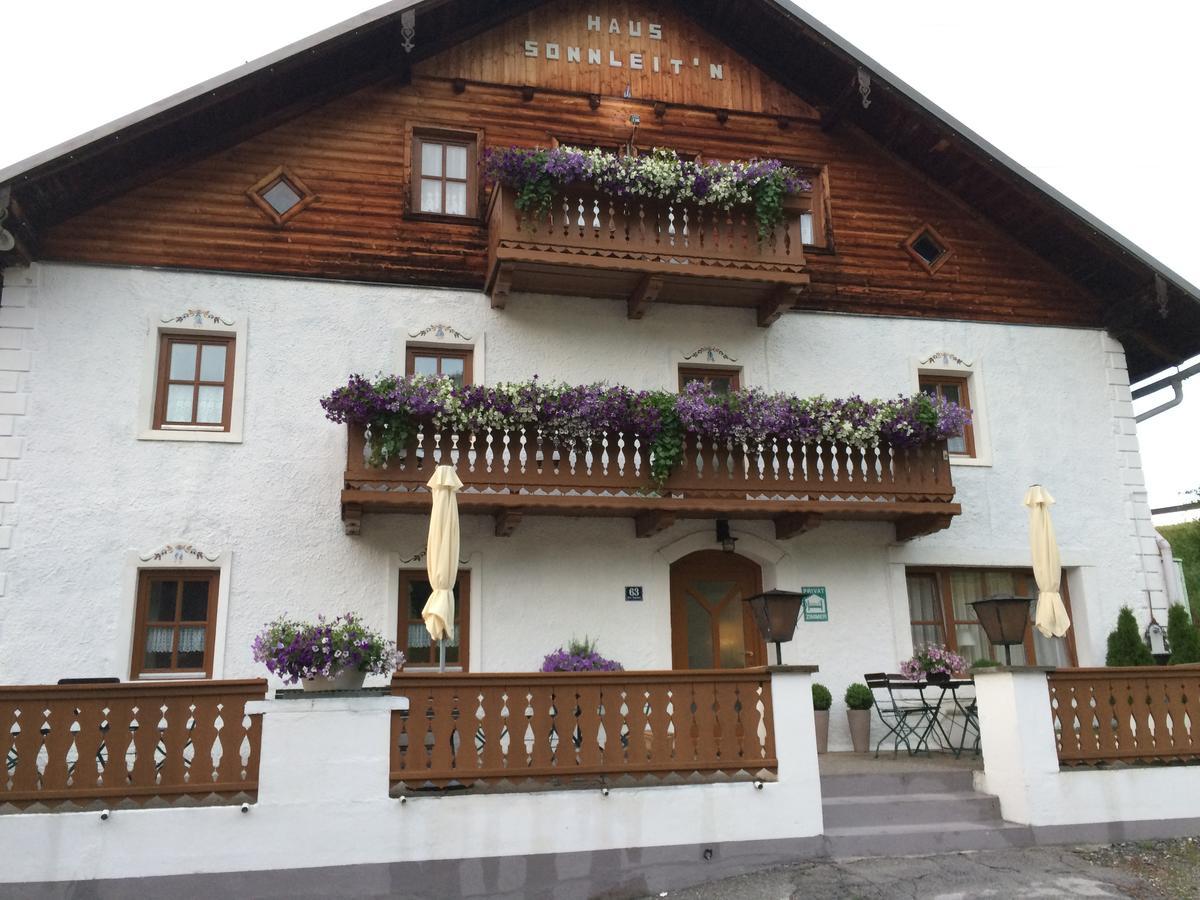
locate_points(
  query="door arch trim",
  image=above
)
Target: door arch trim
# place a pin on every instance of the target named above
(765, 553)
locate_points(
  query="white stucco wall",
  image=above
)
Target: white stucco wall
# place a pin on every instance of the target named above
(94, 497)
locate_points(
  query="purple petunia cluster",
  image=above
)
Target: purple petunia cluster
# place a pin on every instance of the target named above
(323, 649)
(933, 659)
(579, 656)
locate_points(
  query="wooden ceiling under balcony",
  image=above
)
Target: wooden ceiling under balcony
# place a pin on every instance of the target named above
(508, 475)
(644, 252)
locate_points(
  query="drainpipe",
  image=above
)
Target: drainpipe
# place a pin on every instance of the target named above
(1174, 382)
(1170, 571)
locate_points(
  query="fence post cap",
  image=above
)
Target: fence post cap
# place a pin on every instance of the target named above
(786, 670)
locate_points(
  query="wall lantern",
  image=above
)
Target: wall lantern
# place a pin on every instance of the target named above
(1004, 620)
(1156, 636)
(727, 541)
(775, 613)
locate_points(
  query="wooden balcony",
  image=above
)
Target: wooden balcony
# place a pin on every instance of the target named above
(509, 474)
(570, 728)
(644, 252)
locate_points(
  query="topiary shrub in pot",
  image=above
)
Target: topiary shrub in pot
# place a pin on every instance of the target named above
(859, 701)
(822, 700)
(1182, 636)
(1125, 644)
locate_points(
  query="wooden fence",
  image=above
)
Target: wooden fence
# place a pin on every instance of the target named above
(1130, 715)
(129, 742)
(557, 727)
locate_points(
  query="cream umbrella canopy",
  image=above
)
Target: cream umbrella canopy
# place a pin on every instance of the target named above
(1051, 618)
(441, 557)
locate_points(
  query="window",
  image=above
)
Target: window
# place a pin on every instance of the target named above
(175, 622)
(953, 389)
(411, 634)
(927, 247)
(940, 613)
(195, 382)
(281, 195)
(719, 381)
(443, 174)
(448, 361)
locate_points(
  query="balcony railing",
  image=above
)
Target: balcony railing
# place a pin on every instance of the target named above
(130, 742)
(508, 473)
(560, 728)
(644, 251)
(1126, 715)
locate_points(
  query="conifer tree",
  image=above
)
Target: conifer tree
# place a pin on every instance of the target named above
(1182, 636)
(1125, 644)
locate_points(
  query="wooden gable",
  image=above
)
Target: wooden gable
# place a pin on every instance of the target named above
(644, 51)
(353, 155)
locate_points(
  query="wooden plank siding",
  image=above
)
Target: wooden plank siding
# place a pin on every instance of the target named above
(353, 153)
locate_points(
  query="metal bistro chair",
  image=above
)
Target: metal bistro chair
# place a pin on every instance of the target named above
(902, 709)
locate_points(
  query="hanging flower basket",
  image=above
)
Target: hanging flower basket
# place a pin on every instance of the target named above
(325, 655)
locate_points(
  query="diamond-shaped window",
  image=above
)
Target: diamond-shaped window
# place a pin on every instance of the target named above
(281, 195)
(928, 248)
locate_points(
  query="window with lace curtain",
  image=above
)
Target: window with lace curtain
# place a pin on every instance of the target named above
(411, 634)
(176, 619)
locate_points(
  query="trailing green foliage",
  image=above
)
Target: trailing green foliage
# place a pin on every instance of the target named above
(1185, 544)
(1125, 644)
(822, 699)
(859, 696)
(984, 664)
(1182, 636)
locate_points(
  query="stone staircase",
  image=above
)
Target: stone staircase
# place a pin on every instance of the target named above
(913, 814)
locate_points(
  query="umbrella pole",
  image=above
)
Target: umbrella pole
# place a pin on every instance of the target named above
(442, 655)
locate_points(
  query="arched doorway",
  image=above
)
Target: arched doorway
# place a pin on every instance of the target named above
(711, 628)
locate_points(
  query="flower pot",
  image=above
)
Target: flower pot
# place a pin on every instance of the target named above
(346, 680)
(821, 717)
(860, 729)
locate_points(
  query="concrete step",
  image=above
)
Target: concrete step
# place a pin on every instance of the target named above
(910, 809)
(876, 784)
(925, 839)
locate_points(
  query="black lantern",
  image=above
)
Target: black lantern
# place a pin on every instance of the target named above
(727, 541)
(775, 613)
(1004, 620)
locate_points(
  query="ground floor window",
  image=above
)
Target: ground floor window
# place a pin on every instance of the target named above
(175, 622)
(940, 612)
(411, 634)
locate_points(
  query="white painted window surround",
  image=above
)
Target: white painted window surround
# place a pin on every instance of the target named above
(440, 334)
(171, 555)
(416, 562)
(942, 362)
(195, 323)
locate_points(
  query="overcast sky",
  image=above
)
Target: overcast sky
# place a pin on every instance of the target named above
(1097, 98)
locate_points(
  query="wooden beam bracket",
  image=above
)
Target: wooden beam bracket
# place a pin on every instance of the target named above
(779, 301)
(501, 285)
(918, 526)
(649, 524)
(507, 521)
(793, 524)
(643, 295)
(352, 518)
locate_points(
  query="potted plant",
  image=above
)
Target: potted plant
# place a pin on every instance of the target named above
(934, 660)
(822, 700)
(859, 701)
(325, 655)
(580, 656)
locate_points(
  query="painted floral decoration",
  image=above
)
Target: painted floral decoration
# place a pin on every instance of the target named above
(538, 176)
(392, 407)
(303, 650)
(933, 659)
(580, 656)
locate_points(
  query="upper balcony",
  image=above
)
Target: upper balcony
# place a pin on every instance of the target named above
(644, 252)
(507, 474)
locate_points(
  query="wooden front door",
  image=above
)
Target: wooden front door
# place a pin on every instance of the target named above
(711, 628)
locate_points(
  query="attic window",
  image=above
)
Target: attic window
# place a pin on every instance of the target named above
(280, 195)
(928, 248)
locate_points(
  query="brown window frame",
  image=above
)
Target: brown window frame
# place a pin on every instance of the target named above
(931, 267)
(472, 141)
(441, 351)
(945, 601)
(166, 341)
(141, 626)
(961, 382)
(462, 614)
(707, 373)
(281, 173)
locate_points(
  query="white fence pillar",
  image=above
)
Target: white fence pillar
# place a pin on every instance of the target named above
(325, 749)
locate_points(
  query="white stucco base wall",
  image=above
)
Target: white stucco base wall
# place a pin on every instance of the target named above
(323, 801)
(1021, 766)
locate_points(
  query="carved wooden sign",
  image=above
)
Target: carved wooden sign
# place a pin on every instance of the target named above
(647, 56)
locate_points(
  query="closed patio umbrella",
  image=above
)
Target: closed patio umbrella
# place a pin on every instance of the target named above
(1051, 618)
(441, 558)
